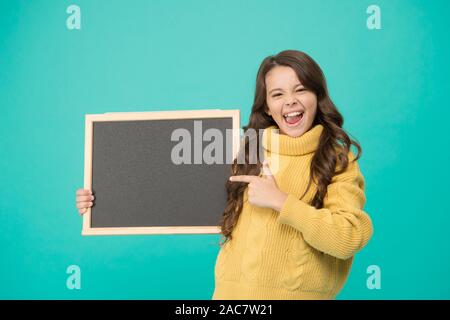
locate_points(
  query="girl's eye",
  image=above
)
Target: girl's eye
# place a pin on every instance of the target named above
(279, 94)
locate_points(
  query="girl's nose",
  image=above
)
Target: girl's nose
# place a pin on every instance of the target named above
(290, 101)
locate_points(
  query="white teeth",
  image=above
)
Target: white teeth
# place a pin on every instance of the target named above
(293, 114)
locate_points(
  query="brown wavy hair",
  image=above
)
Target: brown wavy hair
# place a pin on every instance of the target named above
(334, 144)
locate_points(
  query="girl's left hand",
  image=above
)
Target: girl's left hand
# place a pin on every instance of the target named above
(263, 191)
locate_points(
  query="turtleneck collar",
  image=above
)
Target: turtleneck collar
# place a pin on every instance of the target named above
(293, 146)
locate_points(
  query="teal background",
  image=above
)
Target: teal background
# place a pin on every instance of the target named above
(391, 85)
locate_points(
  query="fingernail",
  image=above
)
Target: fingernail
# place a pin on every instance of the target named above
(231, 178)
(92, 197)
(91, 204)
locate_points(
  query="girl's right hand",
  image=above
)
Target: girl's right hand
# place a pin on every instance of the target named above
(84, 200)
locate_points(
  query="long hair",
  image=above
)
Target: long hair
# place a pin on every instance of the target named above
(334, 144)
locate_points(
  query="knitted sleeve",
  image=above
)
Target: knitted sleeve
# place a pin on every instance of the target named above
(341, 227)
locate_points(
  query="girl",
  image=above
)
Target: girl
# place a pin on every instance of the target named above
(290, 234)
(293, 234)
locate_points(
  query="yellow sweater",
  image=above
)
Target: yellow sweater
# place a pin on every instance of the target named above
(300, 252)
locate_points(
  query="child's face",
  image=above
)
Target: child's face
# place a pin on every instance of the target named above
(286, 95)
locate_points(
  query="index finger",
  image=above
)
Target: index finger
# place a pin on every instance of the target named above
(247, 179)
(83, 192)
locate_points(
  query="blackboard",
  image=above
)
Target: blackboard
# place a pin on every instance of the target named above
(143, 179)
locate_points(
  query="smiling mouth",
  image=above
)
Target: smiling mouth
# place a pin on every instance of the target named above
(293, 118)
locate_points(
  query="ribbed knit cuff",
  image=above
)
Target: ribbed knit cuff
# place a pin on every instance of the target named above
(295, 213)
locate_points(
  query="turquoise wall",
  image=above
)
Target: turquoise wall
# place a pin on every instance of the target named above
(391, 85)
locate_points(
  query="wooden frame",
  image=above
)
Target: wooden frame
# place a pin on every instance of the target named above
(153, 115)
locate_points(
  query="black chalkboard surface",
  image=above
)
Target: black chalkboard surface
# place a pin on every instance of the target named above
(158, 172)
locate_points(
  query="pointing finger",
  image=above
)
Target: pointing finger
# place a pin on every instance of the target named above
(247, 179)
